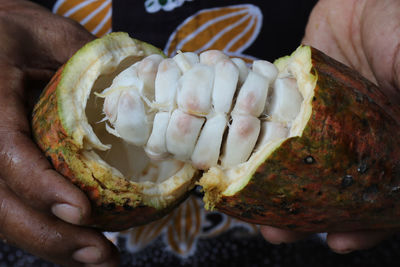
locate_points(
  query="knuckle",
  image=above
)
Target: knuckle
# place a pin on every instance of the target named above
(25, 176)
(48, 238)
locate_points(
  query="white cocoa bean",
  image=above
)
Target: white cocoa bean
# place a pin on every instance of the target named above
(194, 91)
(271, 131)
(211, 57)
(147, 70)
(225, 84)
(285, 100)
(266, 69)
(110, 105)
(166, 82)
(208, 147)
(186, 60)
(132, 123)
(243, 69)
(252, 95)
(125, 80)
(182, 133)
(242, 137)
(156, 147)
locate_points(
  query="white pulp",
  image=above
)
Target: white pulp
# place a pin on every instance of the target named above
(205, 109)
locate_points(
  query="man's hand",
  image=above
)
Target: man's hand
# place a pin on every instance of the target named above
(365, 35)
(40, 211)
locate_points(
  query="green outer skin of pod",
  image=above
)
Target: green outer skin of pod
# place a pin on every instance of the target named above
(342, 174)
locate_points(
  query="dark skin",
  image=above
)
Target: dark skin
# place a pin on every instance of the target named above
(34, 44)
(41, 212)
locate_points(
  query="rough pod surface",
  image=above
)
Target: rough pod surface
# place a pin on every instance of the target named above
(334, 167)
(342, 173)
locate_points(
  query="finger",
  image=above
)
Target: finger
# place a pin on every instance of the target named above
(23, 166)
(28, 173)
(47, 237)
(346, 242)
(278, 236)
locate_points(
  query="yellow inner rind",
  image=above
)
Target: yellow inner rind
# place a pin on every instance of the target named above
(101, 57)
(98, 57)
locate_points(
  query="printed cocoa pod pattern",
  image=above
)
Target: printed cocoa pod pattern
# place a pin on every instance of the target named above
(304, 144)
(95, 16)
(231, 29)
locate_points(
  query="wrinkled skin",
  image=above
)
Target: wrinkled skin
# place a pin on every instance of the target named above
(40, 211)
(365, 35)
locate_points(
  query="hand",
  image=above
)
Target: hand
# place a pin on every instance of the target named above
(365, 35)
(40, 211)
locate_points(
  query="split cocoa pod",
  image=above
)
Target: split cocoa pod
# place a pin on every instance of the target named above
(305, 144)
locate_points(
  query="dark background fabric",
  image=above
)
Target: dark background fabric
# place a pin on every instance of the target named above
(283, 22)
(238, 251)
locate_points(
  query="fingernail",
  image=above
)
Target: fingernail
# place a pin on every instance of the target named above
(87, 255)
(67, 213)
(344, 251)
(104, 264)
